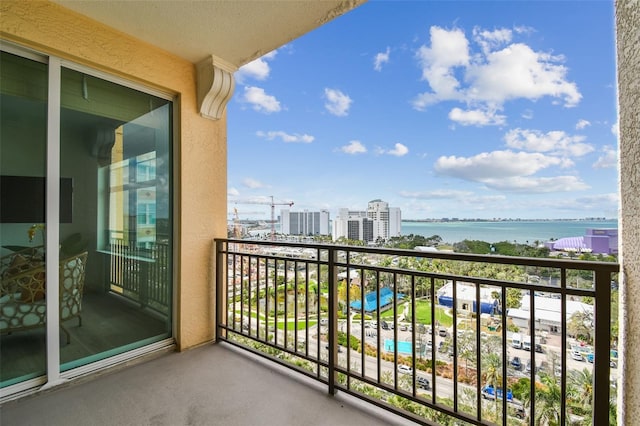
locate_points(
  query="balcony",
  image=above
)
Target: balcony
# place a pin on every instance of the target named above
(296, 322)
(433, 337)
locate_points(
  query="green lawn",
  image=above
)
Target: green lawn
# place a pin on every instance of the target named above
(290, 324)
(423, 313)
(302, 324)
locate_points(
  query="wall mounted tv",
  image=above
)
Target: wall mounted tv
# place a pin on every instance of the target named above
(22, 199)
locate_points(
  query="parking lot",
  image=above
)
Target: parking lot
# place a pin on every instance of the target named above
(548, 358)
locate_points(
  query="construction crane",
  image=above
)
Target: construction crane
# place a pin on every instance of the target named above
(273, 205)
(237, 226)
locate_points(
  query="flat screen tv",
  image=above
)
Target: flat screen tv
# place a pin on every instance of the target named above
(22, 199)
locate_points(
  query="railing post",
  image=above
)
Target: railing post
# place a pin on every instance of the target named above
(333, 318)
(602, 343)
(220, 287)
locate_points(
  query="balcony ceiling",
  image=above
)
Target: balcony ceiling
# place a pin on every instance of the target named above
(234, 31)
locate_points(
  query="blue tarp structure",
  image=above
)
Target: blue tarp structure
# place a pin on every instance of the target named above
(485, 307)
(370, 300)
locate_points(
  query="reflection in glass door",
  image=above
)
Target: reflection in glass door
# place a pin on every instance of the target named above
(113, 267)
(115, 145)
(23, 134)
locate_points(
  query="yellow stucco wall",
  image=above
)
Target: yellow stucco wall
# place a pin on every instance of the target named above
(199, 146)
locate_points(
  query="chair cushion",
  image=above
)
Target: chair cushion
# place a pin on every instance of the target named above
(18, 264)
(35, 290)
(28, 276)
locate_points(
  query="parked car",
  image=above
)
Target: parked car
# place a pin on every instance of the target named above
(516, 363)
(442, 332)
(339, 348)
(404, 369)
(577, 355)
(488, 392)
(423, 383)
(516, 410)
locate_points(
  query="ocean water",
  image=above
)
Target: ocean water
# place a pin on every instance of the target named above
(493, 232)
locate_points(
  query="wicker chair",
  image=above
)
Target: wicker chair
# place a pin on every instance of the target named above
(23, 291)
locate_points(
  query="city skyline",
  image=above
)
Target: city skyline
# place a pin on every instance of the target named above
(443, 109)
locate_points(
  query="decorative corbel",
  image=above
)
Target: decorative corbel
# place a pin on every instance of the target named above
(215, 86)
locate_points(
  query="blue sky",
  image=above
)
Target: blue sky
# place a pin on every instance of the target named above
(441, 108)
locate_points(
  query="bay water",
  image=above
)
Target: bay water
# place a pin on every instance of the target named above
(522, 232)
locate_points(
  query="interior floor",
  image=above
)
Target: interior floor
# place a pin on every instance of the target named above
(108, 322)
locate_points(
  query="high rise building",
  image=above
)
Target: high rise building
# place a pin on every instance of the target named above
(395, 222)
(305, 222)
(378, 212)
(378, 223)
(353, 225)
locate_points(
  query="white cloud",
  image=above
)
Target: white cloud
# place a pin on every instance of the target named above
(527, 114)
(438, 194)
(609, 158)
(555, 142)
(252, 183)
(491, 40)
(614, 129)
(337, 102)
(495, 165)
(524, 30)
(354, 147)
(509, 171)
(398, 150)
(381, 58)
(598, 202)
(519, 72)
(581, 124)
(257, 69)
(448, 49)
(260, 101)
(537, 184)
(490, 77)
(476, 117)
(286, 137)
(232, 192)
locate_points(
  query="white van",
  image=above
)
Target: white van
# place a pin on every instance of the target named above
(526, 343)
(516, 340)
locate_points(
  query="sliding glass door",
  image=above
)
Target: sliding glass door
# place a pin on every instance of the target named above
(110, 150)
(23, 145)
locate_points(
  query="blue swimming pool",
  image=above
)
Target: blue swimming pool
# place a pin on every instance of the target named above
(404, 348)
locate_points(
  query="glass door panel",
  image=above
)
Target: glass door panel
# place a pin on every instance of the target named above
(23, 138)
(115, 148)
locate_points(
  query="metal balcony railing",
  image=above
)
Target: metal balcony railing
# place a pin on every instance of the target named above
(140, 274)
(432, 336)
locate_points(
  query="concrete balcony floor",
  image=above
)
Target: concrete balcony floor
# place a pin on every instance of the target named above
(211, 385)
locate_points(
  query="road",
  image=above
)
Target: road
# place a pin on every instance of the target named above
(443, 386)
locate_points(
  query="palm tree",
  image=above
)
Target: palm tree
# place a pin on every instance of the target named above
(580, 392)
(548, 398)
(582, 385)
(492, 367)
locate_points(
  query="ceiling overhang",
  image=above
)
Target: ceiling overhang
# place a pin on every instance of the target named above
(234, 31)
(219, 36)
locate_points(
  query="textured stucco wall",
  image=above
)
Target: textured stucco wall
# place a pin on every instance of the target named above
(199, 148)
(628, 49)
